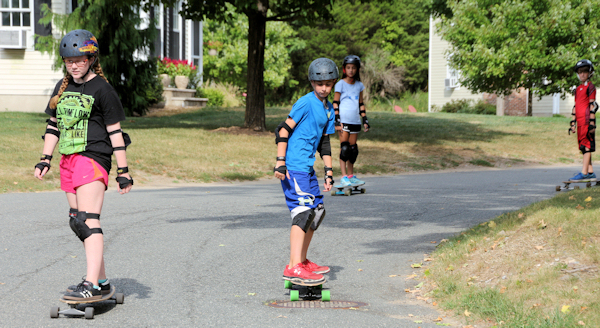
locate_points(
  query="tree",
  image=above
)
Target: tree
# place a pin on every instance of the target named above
(229, 44)
(259, 12)
(400, 27)
(115, 25)
(500, 46)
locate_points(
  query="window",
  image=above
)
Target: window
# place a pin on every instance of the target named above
(16, 13)
(176, 19)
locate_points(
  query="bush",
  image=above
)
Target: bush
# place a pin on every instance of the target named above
(464, 106)
(215, 97)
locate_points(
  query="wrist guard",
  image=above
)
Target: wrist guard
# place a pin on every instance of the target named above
(121, 170)
(327, 169)
(281, 169)
(338, 120)
(366, 121)
(329, 177)
(42, 165)
(124, 182)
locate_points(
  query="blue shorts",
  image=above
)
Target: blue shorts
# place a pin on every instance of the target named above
(301, 191)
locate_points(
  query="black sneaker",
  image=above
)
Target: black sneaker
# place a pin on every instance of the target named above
(104, 288)
(83, 292)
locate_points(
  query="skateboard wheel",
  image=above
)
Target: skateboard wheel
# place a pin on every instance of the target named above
(576, 187)
(333, 191)
(363, 190)
(588, 185)
(348, 192)
(119, 298)
(294, 295)
(557, 188)
(54, 312)
(287, 285)
(325, 296)
(89, 312)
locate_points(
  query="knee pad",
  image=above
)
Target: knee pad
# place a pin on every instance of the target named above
(79, 227)
(353, 153)
(319, 216)
(345, 151)
(72, 212)
(304, 218)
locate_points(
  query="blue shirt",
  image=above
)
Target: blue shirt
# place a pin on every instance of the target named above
(349, 97)
(313, 119)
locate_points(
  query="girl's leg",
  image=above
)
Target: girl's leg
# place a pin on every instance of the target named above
(89, 199)
(343, 138)
(352, 140)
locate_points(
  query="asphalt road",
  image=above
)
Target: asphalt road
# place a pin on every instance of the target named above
(213, 255)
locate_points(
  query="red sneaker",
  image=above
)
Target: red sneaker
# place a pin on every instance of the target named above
(300, 275)
(315, 268)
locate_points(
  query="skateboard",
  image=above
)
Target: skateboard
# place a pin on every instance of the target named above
(310, 293)
(88, 313)
(347, 190)
(588, 183)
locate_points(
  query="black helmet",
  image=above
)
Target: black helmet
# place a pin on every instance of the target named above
(322, 69)
(351, 59)
(78, 43)
(584, 63)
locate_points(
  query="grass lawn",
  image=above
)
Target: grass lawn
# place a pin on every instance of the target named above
(206, 145)
(536, 267)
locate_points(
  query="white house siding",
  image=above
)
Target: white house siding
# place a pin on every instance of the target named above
(438, 93)
(26, 80)
(547, 106)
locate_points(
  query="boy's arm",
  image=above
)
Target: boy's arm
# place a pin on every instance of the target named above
(324, 150)
(280, 169)
(573, 122)
(593, 109)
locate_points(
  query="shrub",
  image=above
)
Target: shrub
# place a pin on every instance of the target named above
(464, 106)
(215, 97)
(174, 67)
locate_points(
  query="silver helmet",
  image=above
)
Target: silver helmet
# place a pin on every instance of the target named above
(322, 69)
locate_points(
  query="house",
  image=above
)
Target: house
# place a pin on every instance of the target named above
(26, 76)
(444, 87)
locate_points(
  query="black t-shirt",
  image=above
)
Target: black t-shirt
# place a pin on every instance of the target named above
(83, 112)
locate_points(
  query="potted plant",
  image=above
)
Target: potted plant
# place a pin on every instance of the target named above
(165, 69)
(184, 73)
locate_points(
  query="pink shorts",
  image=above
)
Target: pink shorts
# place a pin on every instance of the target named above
(77, 170)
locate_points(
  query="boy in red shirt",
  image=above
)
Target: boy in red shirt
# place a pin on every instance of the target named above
(584, 119)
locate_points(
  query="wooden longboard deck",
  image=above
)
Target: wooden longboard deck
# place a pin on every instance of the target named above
(580, 181)
(340, 187)
(104, 298)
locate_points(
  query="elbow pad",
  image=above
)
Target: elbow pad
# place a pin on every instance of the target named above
(282, 125)
(324, 148)
(595, 107)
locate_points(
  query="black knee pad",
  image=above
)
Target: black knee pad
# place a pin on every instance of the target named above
(353, 153)
(319, 216)
(72, 212)
(304, 219)
(345, 151)
(79, 227)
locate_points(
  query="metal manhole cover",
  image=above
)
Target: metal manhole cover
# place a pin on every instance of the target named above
(316, 304)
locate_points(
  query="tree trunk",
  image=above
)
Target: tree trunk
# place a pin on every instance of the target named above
(255, 102)
(529, 102)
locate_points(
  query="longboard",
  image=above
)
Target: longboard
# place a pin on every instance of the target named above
(347, 190)
(588, 184)
(310, 293)
(89, 311)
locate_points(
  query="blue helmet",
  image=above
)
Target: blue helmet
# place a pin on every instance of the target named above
(351, 59)
(78, 43)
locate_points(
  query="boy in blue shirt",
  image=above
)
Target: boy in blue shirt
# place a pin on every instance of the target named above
(298, 138)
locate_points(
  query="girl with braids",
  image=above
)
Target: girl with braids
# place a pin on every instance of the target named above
(85, 112)
(349, 110)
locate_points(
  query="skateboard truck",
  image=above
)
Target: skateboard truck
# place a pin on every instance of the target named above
(309, 293)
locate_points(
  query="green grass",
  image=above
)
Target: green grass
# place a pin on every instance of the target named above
(205, 145)
(509, 271)
(419, 100)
